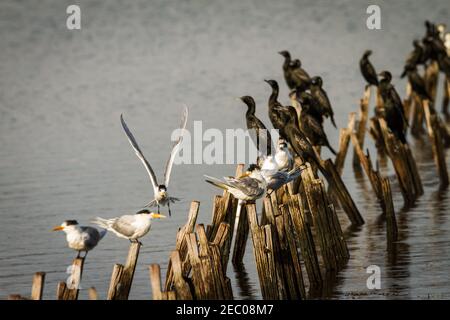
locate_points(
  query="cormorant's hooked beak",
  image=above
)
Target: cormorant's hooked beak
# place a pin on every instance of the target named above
(58, 228)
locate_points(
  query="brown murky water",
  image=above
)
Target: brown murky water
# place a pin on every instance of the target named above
(63, 153)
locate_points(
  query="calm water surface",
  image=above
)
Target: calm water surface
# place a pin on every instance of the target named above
(63, 154)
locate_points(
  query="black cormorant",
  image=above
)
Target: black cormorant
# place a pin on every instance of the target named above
(322, 98)
(313, 130)
(277, 113)
(254, 123)
(294, 74)
(367, 69)
(418, 83)
(417, 56)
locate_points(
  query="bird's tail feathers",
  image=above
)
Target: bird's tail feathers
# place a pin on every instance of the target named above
(216, 182)
(102, 232)
(103, 223)
(173, 199)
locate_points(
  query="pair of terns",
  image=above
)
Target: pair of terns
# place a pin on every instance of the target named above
(131, 226)
(85, 238)
(276, 171)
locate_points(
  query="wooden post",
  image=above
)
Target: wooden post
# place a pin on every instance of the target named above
(226, 211)
(155, 280)
(373, 175)
(231, 205)
(93, 293)
(69, 290)
(305, 240)
(417, 117)
(181, 245)
(446, 96)
(287, 263)
(344, 139)
(38, 286)
(115, 279)
(208, 276)
(60, 290)
(122, 277)
(362, 124)
(263, 253)
(404, 165)
(241, 237)
(16, 297)
(339, 189)
(319, 225)
(434, 132)
(391, 223)
(180, 284)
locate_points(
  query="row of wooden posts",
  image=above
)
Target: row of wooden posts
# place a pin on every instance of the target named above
(297, 240)
(292, 228)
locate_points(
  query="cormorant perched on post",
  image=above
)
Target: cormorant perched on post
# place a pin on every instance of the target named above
(367, 69)
(294, 74)
(314, 108)
(417, 83)
(431, 29)
(417, 56)
(387, 90)
(436, 47)
(393, 107)
(254, 123)
(277, 112)
(394, 119)
(321, 97)
(299, 141)
(313, 130)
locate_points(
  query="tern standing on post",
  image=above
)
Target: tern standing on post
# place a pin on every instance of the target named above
(80, 238)
(130, 226)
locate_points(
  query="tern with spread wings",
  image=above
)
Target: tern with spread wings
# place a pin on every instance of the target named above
(161, 196)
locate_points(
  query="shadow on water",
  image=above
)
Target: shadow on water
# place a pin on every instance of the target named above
(246, 289)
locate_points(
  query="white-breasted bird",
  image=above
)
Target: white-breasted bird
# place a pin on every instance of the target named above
(129, 226)
(276, 178)
(161, 196)
(80, 238)
(283, 157)
(447, 43)
(248, 187)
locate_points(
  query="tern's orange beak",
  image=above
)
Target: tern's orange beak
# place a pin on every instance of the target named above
(246, 174)
(58, 228)
(158, 216)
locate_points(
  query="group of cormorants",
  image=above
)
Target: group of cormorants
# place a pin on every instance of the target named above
(301, 124)
(431, 49)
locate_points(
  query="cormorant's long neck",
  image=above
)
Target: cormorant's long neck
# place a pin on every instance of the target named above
(287, 62)
(274, 96)
(250, 109)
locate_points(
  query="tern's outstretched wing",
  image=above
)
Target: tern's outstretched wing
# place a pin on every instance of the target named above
(140, 155)
(175, 148)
